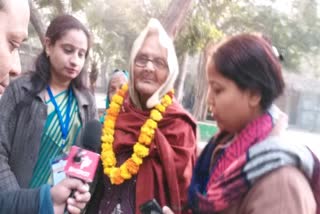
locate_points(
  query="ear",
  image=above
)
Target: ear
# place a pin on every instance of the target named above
(254, 99)
(47, 46)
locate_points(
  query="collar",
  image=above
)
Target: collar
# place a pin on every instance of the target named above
(81, 95)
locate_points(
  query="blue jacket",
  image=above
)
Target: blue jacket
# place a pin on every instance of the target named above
(27, 201)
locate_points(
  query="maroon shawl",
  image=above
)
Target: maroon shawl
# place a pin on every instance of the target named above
(166, 173)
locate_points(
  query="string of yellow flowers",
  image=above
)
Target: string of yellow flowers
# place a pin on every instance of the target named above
(130, 167)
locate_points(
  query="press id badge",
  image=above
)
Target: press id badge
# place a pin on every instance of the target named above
(57, 166)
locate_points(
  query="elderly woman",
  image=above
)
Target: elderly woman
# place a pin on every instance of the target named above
(149, 140)
(117, 79)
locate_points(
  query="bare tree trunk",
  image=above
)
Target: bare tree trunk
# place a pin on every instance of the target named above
(36, 21)
(93, 76)
(175, 17)
(172, 22)
(182, 76)
(146, 6)
(63, 6)
(200, 104)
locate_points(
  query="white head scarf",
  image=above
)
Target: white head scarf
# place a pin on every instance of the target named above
(172, 61)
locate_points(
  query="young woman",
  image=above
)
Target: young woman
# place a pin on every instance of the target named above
(42, 112)
(247, 167)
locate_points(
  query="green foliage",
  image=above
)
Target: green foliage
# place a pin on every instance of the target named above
(115, 24)
(196, 36)
(294, 34)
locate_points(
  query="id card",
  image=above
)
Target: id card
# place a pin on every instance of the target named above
(57, 166)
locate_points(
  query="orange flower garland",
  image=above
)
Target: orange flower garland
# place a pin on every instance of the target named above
(130, 167)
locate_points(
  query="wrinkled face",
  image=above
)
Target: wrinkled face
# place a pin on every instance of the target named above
(231, 107)
(68, 54)
(115, 84)
(13, 31)
(150, 67)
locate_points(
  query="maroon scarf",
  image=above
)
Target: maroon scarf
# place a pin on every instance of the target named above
(227, 180)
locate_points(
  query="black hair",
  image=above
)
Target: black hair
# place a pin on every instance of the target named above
(249, 61)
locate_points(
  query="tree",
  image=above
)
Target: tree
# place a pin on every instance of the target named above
(62, 6)
(36, 21)
(295, 34)
(175, 16)
(93, 76)
(199, 109)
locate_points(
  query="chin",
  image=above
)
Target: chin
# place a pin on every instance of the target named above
(71, 77)
(145, 89)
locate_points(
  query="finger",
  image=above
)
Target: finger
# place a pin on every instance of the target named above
(82, 197)
(76, 184)
(73, 210)
(84, 188)
(75, 203)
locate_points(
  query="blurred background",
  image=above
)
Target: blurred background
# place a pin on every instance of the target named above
(292, 25)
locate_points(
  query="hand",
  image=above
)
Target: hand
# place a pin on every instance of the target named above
(167, 210)
(60, 196)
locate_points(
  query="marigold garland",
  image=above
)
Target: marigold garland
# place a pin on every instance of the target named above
(130, 167)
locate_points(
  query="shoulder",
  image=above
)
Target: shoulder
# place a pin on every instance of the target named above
(88, 95)
(84, 96)
(285, 190)
(287, 177)
(23, 81)
(177, 113)
(178, 122)
(17, 89)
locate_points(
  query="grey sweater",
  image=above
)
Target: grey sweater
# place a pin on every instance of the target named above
(22, 119)
(27, 201)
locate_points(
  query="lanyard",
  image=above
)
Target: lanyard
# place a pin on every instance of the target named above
(63, 125)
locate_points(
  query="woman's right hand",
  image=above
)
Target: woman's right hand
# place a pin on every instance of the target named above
(167, 210)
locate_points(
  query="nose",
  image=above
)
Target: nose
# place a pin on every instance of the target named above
(74, 59)
(16, 65)
(150, 65)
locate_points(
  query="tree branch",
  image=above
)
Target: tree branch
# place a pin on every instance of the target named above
(36, 21)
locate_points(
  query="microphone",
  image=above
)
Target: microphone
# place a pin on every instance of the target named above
(91, 138)
(82, 162)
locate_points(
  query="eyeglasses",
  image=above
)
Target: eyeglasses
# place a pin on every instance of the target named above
(158, 63)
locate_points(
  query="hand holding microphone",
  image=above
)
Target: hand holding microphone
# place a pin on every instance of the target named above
(60, 195)
(80, 166)
(82, 163)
